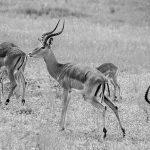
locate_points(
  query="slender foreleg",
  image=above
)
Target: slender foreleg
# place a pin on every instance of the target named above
(66, 94)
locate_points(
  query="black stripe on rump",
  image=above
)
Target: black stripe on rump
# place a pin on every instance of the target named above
(104, 86)
(17, 62)
(103, 91)
(97, 90)
(22, 62)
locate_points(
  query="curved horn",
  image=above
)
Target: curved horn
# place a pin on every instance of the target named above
(47, 33)
(146, 95)
(55, 34)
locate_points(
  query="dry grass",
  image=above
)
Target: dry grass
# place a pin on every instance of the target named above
(91, 38)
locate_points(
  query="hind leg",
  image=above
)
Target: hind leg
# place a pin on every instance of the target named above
(116, 86)
(99, 106)
(24, 87)
(114, 92)
(13, 85)
(115, 110)
(108, 89)
(3, 73)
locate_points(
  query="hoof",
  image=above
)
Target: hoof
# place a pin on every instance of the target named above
(62, 129)
(116, 107)
(7, 101)
(105, 131)
(123, 131)
(23, 101)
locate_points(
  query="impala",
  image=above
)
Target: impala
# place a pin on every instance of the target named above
(146, 95)
(110, 70)
(88, 81)
(13, 60)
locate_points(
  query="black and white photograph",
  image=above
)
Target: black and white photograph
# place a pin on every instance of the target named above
(74, 74)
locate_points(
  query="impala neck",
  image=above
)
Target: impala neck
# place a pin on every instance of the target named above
(53, 66)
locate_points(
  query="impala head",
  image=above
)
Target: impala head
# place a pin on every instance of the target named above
(45, 42)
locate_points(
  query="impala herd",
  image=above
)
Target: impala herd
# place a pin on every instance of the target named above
(92, 83)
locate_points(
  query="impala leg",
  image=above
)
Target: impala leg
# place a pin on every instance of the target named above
(13, 85)
(1, 81)
(23, 68)
(99, 106)
(115, 110)
(114, 92)
(108, 89)
(17, 89)
(24, 86)
(2, 86)
(117, 85)
(103, 90)
(66, 100)
(1, 92)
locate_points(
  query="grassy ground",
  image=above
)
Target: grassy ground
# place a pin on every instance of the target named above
(96, 31)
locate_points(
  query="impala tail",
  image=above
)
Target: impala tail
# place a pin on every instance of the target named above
(21, 62)
(146, 95)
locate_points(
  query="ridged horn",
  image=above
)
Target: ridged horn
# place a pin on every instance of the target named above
(54, 34)
(146, 95)
(48, 33)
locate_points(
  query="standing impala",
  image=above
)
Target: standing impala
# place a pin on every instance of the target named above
(110, 70)
(13, 60)
(88, 81)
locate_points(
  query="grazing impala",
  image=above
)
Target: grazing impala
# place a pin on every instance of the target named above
(88, 81)
(110, 70)
(13, 60)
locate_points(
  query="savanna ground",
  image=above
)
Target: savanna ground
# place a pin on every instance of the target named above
(96, 31)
